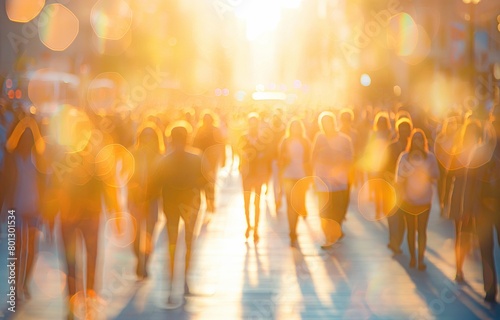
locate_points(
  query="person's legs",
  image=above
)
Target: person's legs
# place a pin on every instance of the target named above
(69, 234)
(378, 198)
(246, 199)
(189, 216)
(396, 223)
(20, 255)
(137, 246)
(299, 197)
(326, 214)
(210, 196)
(484, 224)
(343, 203)
(441, 185)
(277, 184)
(290, 209)
(422, 220)
(400, 229)
(459, 276)
(463, 233)
(32, 250)
(258, 190)
(151, 220)
(90, 233)
(172, 210)
(411, 224)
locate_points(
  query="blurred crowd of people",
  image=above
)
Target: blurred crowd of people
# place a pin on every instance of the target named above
(77, 165)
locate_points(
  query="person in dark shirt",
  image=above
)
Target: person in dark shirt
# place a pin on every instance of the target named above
(396, 221)
(481, 200)
(142, 198)
(181, 180)
(210, 141)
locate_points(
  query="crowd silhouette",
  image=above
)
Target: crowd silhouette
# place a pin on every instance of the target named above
(169, 163)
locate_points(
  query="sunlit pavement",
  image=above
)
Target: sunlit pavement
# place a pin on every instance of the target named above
(234, 279)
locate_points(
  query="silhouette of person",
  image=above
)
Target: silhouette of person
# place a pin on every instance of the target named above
(470, 137)
(181, 181)
(23, 196)
(83, 194)
(142, 195)
(332, 159)
(294, 164)
(396, 222)
(416, 171)
(255, 169)
(481, 199)
(379, 140)
(210, 141)
(445, 141)
(277, 127)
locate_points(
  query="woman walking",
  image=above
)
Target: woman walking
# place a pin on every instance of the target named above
(416, 171)
(332, 159)
(294, 157)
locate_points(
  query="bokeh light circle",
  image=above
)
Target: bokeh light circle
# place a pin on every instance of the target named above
(422, 49)
(112, 47)
(43, 90)
(298, 195)
(52, 282)
(402, 34)
(78, 305)
(121, 229)
(115, 165)
(333, 230)
(105, 91)
(365, 80)
(366, 199)
(319, 185)
(23, 10)
(70, 128)
(111, 19)
(61, 28)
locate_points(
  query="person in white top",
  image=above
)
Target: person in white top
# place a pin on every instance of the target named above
(294, 166)
(332, 159)
(416, 171)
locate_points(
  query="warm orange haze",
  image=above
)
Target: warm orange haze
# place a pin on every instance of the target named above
(249, 159)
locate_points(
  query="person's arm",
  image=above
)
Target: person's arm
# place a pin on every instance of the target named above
(307, 157)
(201, 178)
(401, 175)
(157, 176)
(221, 145)
(433, 167)
(401, 170)
(315, 149)
(349, 151)
(282, 155)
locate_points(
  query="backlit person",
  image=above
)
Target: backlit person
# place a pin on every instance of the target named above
(332, 158)
(416, 172)
(255, 169)
(294, 164)
(181, 181)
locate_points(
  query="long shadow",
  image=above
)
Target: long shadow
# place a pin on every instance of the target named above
(150, 311)
(444, 298)
(257, 300)
(311, 308)
(344, 297)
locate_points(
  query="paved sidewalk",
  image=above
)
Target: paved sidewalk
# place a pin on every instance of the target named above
(234, 279)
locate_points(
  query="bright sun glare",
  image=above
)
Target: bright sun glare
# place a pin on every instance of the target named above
(263, 16)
